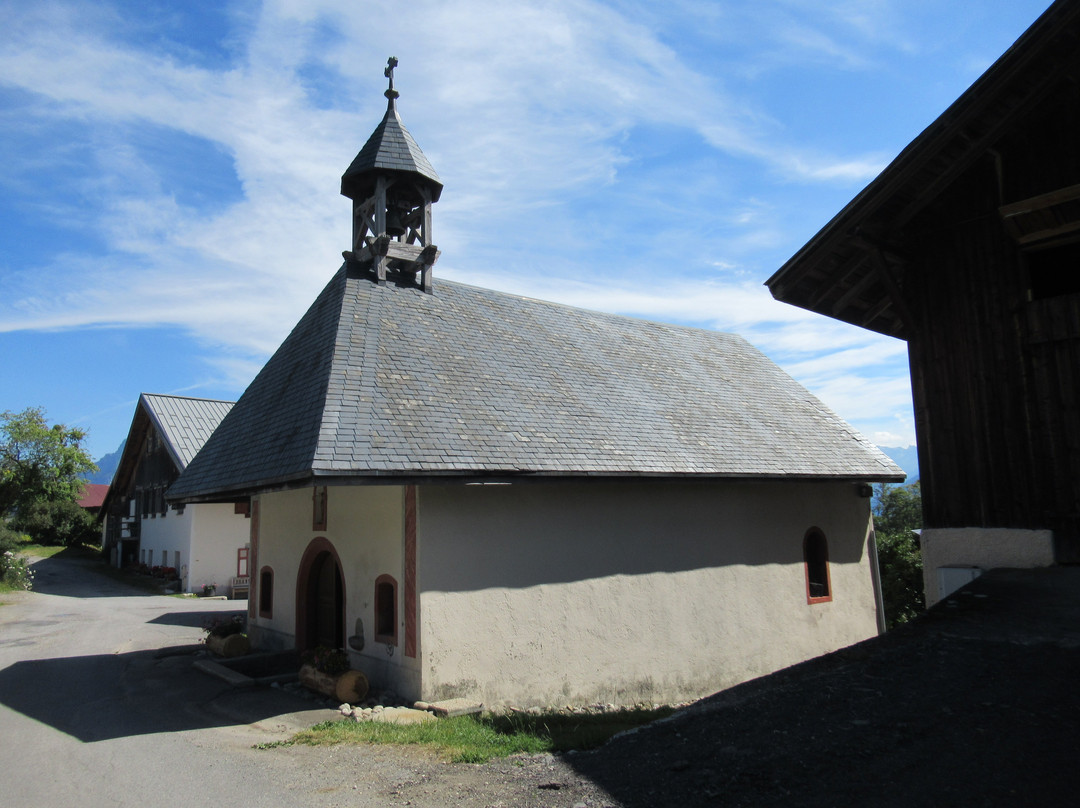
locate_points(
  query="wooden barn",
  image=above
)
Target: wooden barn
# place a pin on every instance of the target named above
(967, 246)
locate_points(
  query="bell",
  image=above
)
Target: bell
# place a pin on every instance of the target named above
(394, 227)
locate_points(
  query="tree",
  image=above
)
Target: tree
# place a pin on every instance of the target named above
(897, 515)
(41, 470)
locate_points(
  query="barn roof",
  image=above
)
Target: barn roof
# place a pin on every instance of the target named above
(389, 383)
(92, 496)
(184, 425)
(853, 269)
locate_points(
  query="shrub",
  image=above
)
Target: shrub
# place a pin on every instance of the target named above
(897, 514)
(331, 661)
(15, 572)
(61, 523)
(900, 561)
(224, 626)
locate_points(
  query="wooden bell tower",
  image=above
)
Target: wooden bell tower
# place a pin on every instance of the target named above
(392, 186)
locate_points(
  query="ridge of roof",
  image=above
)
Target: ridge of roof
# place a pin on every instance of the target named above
(386, 381)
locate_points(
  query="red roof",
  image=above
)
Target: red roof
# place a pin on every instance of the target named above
(93, 495)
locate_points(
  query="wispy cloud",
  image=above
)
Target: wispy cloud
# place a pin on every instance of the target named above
(590, 156)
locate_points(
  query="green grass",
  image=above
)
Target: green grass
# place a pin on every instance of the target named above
(478, 739)
(48, 551)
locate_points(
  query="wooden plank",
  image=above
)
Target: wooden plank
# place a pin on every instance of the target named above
(1040, 202)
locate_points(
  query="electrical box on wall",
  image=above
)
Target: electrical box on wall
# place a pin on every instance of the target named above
(952, 578)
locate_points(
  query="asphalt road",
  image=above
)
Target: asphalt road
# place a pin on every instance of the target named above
(100, 706)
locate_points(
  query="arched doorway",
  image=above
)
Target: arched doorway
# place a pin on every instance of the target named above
(320, 598)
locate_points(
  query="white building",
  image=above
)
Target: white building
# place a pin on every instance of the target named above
(206, 544)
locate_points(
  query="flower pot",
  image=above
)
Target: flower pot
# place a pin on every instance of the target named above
(232, 646)
(350, 686)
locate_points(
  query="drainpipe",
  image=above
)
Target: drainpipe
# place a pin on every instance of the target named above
(875, 575)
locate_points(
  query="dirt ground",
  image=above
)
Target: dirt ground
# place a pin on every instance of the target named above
(976, 703)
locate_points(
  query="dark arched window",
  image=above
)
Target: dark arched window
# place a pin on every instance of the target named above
(816, 561)
(266, 592)
(386, 609)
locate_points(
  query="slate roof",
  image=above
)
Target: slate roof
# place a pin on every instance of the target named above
(390, 148)
(184, 423)
(389, 382)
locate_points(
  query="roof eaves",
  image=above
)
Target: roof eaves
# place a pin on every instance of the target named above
(926, 145)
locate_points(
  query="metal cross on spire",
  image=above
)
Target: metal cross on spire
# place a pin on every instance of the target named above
(391, 63)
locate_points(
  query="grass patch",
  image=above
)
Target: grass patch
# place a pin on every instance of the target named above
(39, 550)
(478, 739)
(48, 551)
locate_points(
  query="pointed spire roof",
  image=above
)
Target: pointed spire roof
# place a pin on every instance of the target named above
(390, 148)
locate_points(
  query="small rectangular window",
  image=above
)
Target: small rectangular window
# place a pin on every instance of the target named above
(318, 508)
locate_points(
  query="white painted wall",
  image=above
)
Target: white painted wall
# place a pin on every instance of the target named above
(207, 536)
(982, 547)
(166, 533)
(542, 594)
(217, 534)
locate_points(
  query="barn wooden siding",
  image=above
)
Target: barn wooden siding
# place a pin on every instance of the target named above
(996, 373)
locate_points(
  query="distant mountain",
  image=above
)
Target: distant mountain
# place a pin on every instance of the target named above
(107, 466)
(906, 458)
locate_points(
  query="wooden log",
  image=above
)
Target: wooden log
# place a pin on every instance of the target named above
(350, 686)
(232, 646)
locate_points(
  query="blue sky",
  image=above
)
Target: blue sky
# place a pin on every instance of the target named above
(169, 199)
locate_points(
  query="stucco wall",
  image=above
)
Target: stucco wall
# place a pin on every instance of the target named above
(985, 548)
(541, 594)
(365, 526)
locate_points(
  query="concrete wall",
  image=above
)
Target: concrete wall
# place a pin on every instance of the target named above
(365, 525)
(985, 548)
(641, 591)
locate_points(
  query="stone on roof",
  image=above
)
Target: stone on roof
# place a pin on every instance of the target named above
(386, 381)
